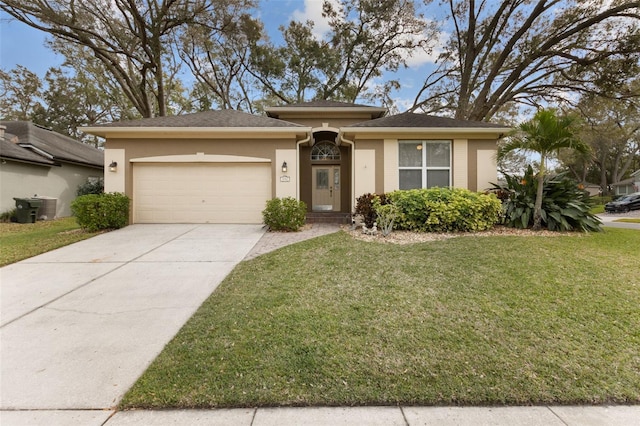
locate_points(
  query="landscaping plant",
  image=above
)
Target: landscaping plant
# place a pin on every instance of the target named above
(6, 216)
(445, 210)
(365, 207)
(95, 212)
(565, 207)
(545, 134)
(285, 214)
(386, 215)
(95, 186)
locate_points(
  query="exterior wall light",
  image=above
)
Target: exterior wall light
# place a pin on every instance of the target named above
(284, 167)
(113, 167)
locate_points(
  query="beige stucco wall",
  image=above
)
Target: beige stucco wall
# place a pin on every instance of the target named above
(481, 163)
(486, 169)
(142, 148)
(286, 182)
(114, 181)
(391, 160)
(23, 180)
(318, 120)
(460, 154)
(365, 171)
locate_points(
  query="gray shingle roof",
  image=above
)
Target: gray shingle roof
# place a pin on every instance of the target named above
(324, 104)
(222, 118)
(410, 119)
(13, 151)
(62, 148)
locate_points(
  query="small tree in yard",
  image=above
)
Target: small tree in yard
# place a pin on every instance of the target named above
(545, 134)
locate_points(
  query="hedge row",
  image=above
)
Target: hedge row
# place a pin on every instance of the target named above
(437, 209)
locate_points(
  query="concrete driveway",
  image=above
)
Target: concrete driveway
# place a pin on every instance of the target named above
(80, 324)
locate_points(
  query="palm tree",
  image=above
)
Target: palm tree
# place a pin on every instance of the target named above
(545, 134)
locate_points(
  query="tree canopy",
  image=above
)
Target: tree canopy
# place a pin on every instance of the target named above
(163, 57)
(508, 53)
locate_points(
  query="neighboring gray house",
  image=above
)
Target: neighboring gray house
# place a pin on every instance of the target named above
(628, 186)
(36, 160)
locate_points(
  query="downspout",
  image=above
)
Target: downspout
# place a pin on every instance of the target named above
(305, 140)
(353, 169)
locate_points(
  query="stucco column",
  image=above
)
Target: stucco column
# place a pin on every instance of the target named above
(391, 164)
(460, 163)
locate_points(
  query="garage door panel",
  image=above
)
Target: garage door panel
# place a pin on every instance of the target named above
(200, 193)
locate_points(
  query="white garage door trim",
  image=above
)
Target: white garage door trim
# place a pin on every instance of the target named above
(202, 192)
(200, 157)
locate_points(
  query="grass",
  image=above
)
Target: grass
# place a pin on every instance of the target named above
(598, 209)
(628, 220)
(470, 320)
(20, 241)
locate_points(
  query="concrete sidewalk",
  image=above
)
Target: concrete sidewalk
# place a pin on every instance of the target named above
(620, 415)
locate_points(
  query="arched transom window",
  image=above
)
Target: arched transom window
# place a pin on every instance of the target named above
(325, 151)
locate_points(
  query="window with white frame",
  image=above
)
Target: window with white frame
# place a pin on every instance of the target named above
(424, 164)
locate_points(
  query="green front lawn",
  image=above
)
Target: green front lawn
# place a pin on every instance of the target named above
(20, 241)
(469, 320)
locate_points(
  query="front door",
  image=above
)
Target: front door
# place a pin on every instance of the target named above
(325, 188)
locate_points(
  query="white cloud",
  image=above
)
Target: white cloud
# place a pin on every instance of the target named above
(421, 57)
(313, 12)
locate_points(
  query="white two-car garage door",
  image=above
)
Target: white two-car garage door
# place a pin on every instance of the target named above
(200, 192)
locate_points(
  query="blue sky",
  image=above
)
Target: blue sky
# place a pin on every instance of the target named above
(23, 45)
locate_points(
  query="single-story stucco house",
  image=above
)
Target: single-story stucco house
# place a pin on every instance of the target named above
(35, 160)
(628, 186)
(222, 166)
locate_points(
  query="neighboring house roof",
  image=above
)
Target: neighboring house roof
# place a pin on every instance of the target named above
(222, 118)
(12, 151)
(324, 106)
(413, 120)
(636, 173)
(629, 181)
(50, 147)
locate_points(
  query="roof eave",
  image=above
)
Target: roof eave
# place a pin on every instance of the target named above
(497, 131)
(32, 162)
(195, 132)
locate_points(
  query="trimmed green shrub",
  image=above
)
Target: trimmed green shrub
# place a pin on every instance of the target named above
(365, 207)
(91, 187)
(445, 210)
(565, 207)
(285, 214)
(96, 212)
